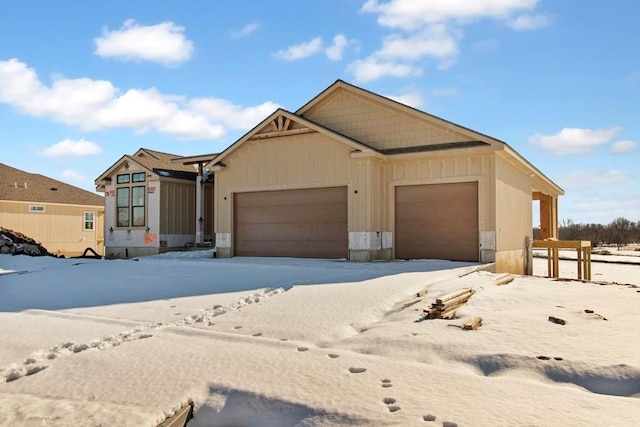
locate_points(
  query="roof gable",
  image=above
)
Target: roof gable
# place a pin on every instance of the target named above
(284, 123)
(154, 162)
(381, 122)
(18, 185)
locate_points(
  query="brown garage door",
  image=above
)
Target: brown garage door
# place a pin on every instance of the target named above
(310, 223)
(437, 221)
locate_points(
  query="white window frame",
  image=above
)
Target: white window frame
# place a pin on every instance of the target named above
(92, 221)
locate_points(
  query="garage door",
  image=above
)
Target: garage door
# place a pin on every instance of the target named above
(310, 223)
(437, 221)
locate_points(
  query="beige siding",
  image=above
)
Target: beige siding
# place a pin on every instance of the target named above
(177, 207)
(60, 228)
(374, 123)
(513, 214)
(299, 161)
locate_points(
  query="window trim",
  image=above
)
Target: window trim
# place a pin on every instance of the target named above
(130, 207)
(85, 221)
(128, 178)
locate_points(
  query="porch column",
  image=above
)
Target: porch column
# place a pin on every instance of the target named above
(199, 206)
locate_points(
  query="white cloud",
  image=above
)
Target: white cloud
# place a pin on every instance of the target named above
(621, 147)
(581, 180)
(97, 104)
(412, 14)
(574, 140)
(164, 43)
(246, 30)
(301, 50)
(71, 148)
(603, 208)
(369, 69)
(434, 29)
(529, 22)
(340, 43)
(71, 175)
(435, 41)
(412, 98)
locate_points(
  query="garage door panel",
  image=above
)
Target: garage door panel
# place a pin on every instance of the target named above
(316, 196)
(287, 248)
(437, 221)
(306, 214)
(283, 232)
(292, 223)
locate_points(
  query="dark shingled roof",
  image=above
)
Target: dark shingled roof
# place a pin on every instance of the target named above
(20, 186)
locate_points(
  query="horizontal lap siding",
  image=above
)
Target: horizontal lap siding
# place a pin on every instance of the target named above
(437, 221)
(296, 223)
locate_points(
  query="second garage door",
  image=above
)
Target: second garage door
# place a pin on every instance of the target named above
(437, 221)
(309, 223)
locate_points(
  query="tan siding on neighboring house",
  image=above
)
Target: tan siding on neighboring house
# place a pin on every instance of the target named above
(379, 126)
(60, 228)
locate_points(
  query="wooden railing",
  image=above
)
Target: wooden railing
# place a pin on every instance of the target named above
(582, 247)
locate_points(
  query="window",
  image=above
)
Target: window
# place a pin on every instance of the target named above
(130, 206)
(33, 208)
(124, 179)
(139, 177)
(89, 220)
(122, 200)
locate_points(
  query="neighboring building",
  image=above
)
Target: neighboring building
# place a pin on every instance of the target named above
(154, 204)
(65, 219)
(356, 175)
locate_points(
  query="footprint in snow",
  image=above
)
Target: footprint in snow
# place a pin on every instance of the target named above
(386, 383)
(333, 355)
(394, 408)
(449, 424)
(237, 327)
(429, 417)
(357, 370)
(388, 400)
(302, 349)
(283, 339)
(257, 334)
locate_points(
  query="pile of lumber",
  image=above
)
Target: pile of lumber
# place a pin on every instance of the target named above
(446, 306)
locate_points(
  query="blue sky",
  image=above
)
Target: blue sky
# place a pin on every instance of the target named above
(83, 83)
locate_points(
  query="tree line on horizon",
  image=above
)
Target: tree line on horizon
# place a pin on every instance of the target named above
(619, 232)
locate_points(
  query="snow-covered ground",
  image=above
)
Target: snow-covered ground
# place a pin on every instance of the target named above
(286, 342)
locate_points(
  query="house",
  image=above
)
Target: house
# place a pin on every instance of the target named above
(65, 219)
(154, 203)
(355, 175)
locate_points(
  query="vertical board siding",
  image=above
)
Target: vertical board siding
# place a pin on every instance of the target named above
(178, 208)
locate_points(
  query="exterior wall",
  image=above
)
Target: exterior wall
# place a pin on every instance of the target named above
(127, 242)
(60, 228)
(313, 160)
(513, 216)
(441, 168)
(308, 160)
(374, 123)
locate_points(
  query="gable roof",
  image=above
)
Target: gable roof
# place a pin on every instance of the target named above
(20, 186)
(301, 122)
(339, 85)
(157, 162)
